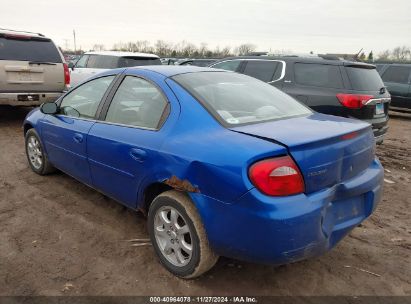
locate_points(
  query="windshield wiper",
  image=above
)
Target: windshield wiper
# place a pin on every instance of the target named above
(42, 62)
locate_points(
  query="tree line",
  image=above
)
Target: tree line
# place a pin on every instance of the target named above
(185, 49)
(181, 49)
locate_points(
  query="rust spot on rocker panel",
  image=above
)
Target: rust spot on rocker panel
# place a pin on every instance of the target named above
(181, 185)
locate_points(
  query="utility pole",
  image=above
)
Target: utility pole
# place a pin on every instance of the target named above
(74, 35)
(66, 44)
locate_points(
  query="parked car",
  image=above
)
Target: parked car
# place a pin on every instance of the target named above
(397, 78)
(224, 164)
(336, 87)
(32, 69)
(96, 62)
(197, 62)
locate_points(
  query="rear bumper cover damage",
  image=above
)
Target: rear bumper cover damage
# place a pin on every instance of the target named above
(263, 229)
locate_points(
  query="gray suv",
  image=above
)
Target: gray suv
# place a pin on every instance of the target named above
(32, 69)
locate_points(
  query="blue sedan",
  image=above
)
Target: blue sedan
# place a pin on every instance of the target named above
(223, 164)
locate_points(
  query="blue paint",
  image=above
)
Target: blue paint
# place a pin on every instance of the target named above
(343, 178)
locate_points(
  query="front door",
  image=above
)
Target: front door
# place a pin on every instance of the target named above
(65, 134)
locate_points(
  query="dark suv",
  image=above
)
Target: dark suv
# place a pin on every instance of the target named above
(330, 86)
(397, 78)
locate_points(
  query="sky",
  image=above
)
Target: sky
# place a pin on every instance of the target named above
(299, 26)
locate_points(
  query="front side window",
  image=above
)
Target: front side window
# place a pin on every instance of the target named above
(318, 75)
(137, 103)
(84, 100)
(261, 69)
(102, 62)
(238, 99)
(398, 74)
(231, 65)
(81, 63)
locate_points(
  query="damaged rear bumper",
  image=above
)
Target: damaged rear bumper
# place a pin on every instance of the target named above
(263, 229)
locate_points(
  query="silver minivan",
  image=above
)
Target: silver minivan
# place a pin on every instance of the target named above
(32, 69)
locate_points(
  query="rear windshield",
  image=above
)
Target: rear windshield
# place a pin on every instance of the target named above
(135, 61)
(364, 79)
(42, 50)
(113, 62)
(238, 99)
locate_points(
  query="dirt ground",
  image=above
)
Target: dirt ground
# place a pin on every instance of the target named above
(59, 237)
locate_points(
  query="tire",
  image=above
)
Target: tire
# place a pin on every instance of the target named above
(185, 264)
(36, 157)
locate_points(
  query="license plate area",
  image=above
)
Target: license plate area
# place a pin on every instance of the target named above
(379, 109)
(28, 97)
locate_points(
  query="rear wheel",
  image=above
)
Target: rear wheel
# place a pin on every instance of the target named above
(35, 154)
(178, 235)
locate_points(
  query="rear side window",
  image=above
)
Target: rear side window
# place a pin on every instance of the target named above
(138, 103)
(231, 65)
(398, 74)
(364, 79)
(318, 75)
(263, 70)
(102, 62)
(29, 49)
(124, 62)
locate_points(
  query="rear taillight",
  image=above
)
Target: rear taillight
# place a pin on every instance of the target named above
(354, 101)
(66, 74)
(278, 176)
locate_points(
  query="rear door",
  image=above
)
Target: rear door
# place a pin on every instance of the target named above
(123, 145)
(30, 64)
(315, 85)
(65, 134)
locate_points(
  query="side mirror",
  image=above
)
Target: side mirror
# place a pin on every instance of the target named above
(71, 65)
(49, 108)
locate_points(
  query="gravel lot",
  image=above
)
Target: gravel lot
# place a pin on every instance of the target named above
(59, 237)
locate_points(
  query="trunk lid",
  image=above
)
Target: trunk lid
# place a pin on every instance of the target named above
(327, 149)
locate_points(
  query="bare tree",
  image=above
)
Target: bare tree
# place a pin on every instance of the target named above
(385, 55)
(401, 53)
(163, 48)
(245, 48)
(98, 47)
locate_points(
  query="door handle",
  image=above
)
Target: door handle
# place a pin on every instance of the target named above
(138, 154)
(78, 138)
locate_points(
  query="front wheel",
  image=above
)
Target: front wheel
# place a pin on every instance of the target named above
(35, 154)
(178, 236)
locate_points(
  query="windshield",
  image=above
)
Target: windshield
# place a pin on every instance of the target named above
(238, 99)
(364, 79)
(42, 50)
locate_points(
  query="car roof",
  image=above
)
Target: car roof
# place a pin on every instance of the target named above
(22, 33)
(292, 58)
(121, 54)
(172, 70)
